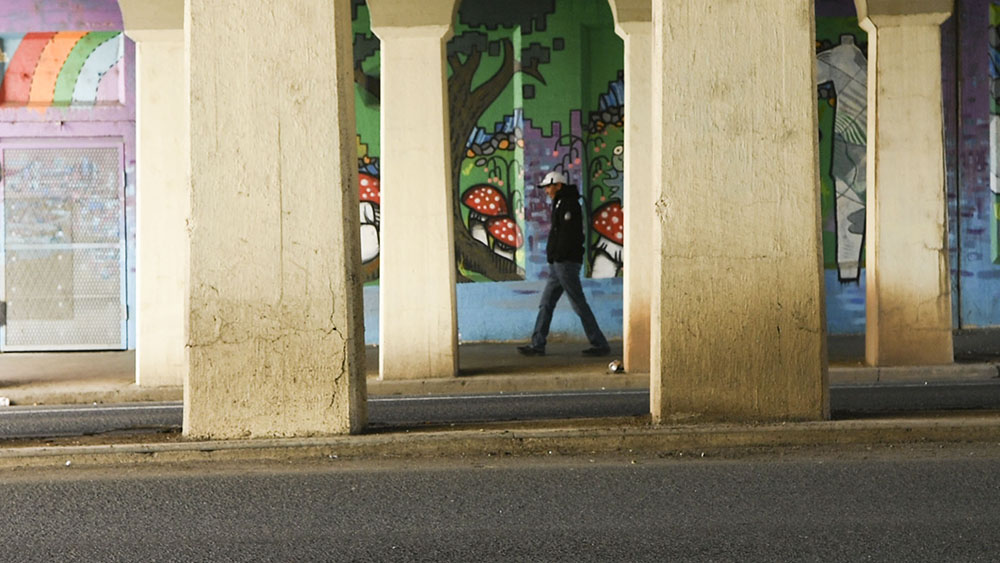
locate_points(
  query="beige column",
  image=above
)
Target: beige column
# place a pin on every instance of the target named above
(738, 326)
(907, 277)
(633, 23)
(162, 190)
(418, 327)
(276, 332)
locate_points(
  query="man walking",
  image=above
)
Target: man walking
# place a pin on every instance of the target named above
(565, 256)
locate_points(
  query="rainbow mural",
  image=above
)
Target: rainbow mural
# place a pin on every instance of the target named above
(61, 68)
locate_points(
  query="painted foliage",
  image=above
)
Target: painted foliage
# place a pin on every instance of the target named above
(64, 68)
(512, 65)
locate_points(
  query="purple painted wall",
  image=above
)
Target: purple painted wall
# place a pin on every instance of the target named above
(979, 276)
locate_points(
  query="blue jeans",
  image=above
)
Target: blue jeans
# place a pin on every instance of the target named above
(565, 277)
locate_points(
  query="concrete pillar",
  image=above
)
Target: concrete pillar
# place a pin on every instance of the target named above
(907, 277)
(162, 193)
(633, 23)
(418, 324)
(275, 308)
(738, 326)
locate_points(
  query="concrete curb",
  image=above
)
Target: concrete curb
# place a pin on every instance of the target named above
(625, 436)
(71, 393)
(912, 374)
(520, 383)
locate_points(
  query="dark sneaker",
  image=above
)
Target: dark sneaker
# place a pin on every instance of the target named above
(596, 352)
(530, 351)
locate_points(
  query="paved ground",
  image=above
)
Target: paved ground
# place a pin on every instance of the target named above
(913, 503)
(485, 368)
(108, 377)
(20, 368)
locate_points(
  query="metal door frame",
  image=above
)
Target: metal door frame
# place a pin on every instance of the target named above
(113, 142)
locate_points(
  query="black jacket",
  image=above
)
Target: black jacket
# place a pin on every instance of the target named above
(566, 236)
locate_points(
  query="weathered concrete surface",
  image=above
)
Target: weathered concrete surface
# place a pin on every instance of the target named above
(276, 334)
(738, 326)
(418, 322)
(908, 280)
(163, 194)
(633, 23)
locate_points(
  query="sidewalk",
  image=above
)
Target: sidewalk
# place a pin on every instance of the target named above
(108, 377)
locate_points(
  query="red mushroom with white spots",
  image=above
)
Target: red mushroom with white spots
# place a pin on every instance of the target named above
(484, 201)
(609, 223)
(370, 199)
(506, 236)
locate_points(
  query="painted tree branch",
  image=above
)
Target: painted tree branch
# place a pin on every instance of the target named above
(370, 84)
(467, 106)
(532, 70)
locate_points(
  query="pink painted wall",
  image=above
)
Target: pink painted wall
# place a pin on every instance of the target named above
(52, 15)
(110, 121)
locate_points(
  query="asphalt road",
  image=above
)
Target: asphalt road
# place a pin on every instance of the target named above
(911, 503)
(402, 412)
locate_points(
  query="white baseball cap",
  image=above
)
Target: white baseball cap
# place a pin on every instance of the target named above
(554, 177)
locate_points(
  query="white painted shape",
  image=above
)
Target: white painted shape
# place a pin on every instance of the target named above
(99, 62)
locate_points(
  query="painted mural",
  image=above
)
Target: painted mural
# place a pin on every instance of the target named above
(841, 74)
(369, 197)
(61, 68)
(995, 131)
(366, 104)
(491, 196)
(975, 264)
(841, 79)
(533, 87)
(556, 104)
(554, 112)
(546, 111)
(603, 177)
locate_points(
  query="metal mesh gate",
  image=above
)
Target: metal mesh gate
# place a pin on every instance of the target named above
(63, 248)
